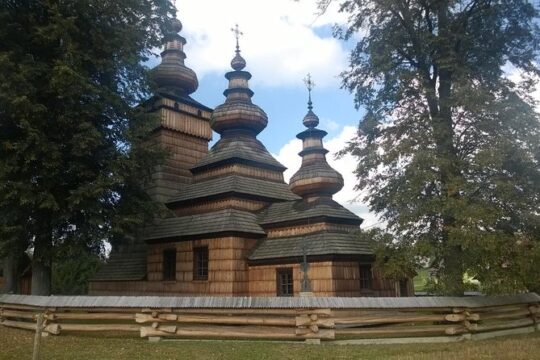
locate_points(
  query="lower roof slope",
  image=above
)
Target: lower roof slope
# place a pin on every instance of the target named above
(234, 184)
(300, 209)
(221, 221)
(321, 243)
(125, 264)
(240, 147)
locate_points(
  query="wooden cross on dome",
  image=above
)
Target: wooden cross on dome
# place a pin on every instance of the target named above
(310, 84)
(237, 34)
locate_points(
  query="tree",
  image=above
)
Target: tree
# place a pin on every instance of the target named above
(73, 267)
(72, 164)
(448, 150)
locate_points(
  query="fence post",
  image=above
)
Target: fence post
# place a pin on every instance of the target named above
(37, 337)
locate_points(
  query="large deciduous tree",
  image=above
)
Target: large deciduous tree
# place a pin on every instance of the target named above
(448, 150)
(72, 163)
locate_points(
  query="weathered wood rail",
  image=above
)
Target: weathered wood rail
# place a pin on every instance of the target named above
(344, 320)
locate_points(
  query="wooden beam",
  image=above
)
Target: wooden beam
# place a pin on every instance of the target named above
(99, 327)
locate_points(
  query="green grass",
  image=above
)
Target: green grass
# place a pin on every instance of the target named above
(17, 344)
(420, 280)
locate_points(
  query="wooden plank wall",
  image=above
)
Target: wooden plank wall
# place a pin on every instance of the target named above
(227, 267)
(229, 275)
(240, 169)
(184, 151)
(229, 203)
(263, 279)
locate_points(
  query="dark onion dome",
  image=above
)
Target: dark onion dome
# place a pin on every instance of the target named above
(238, 62)
(238, 112)
(315, 178)
(171, 75)
(311, 120)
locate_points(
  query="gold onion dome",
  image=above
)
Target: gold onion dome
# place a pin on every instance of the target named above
(172, 75)
(315, 178)
(238, 113)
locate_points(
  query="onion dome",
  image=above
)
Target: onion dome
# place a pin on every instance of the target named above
(315, 178)
(172, 76)
(238, 113)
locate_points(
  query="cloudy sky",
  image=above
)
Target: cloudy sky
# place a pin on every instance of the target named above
(283, 40)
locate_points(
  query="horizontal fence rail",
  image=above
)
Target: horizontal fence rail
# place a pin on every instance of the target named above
(345, 320)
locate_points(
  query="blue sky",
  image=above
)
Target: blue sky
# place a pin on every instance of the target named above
(283, 40)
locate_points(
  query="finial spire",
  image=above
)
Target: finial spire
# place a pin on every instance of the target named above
(237, 34)
(310, 120)
(310, 84)
(238, 63)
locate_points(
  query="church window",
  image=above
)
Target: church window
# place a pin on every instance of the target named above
(285, 282)
(200, 263)
(366, 277)
(169, 264)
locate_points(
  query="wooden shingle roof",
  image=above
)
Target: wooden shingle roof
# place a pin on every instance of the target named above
(299, 209)
(234, 148)
(322, 243)
(221, 221)
(234, 184)
(128, 264)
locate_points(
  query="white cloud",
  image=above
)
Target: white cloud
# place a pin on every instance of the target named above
(280, 41)
(288, 156)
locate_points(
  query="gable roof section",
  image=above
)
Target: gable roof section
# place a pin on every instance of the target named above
(234, 184)
(222, 221)
(292, 211)
(322, 243)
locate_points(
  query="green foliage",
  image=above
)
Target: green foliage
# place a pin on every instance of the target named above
(448, 150)
(393, 258)
(73, 267)
(72, 160)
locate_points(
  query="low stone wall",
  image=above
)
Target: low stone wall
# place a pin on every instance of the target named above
(342, 320)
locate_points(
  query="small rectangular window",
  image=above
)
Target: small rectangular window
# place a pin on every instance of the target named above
(200, 263)
(366, 277)
(169, 264)
(285, 282)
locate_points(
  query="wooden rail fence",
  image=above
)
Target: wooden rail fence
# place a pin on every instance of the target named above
(345, 320)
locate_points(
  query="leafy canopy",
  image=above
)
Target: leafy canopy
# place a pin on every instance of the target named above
(448, 150)
(72, 161)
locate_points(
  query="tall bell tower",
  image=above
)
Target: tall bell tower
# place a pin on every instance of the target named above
(184, 128)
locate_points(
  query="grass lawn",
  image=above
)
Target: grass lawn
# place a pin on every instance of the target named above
(17, 344)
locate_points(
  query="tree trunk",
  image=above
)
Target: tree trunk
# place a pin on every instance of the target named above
(11, 265)
(452, 269)
(42, 264)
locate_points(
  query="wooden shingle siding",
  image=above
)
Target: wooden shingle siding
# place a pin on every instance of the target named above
(304, 229)
(240, 169)
(209, 206)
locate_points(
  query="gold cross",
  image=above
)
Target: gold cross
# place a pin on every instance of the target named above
(237, 34)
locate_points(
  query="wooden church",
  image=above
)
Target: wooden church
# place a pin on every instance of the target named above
(236, 228)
